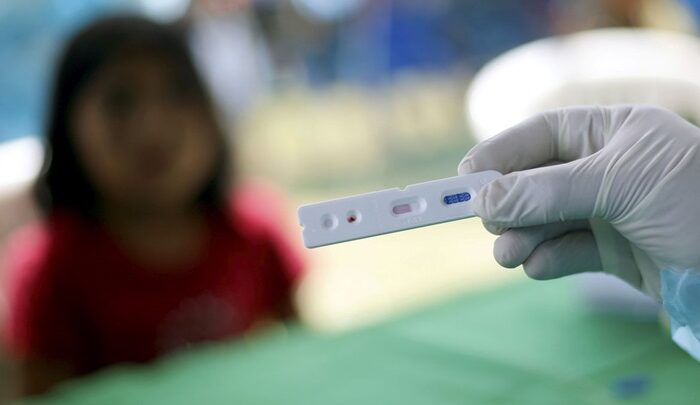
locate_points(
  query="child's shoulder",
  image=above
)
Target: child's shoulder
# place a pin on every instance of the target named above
(259, 209)
(262, 215)
(42, 246)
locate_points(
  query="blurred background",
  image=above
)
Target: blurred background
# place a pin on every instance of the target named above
(326, 98)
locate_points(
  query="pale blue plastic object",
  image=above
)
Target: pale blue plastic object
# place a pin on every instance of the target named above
(680, 294)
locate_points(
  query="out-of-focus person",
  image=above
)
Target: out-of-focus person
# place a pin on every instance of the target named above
(144, 247)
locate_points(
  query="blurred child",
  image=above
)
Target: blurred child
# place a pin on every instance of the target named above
(143, 248)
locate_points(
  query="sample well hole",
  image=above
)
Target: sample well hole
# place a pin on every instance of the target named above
(353, 217)
(329, 222)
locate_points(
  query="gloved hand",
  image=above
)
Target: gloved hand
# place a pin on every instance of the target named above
(594, 188)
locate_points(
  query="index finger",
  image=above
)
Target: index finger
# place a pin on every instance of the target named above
(560, 135)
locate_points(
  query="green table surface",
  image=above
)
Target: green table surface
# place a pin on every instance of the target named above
(524, 343)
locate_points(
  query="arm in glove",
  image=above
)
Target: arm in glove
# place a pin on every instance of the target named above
(615, 189)
(594, 188)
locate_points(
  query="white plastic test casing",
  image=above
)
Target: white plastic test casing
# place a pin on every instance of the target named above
(391, 210)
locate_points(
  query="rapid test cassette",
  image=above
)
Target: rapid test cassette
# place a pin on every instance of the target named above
(391, 210)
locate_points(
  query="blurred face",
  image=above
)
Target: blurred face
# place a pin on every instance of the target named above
(145, 140)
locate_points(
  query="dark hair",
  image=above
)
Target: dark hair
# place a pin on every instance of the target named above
(63, 183)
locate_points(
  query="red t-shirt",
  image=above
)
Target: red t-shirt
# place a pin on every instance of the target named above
(74, 296)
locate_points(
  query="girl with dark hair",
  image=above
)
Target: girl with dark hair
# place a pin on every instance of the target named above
(142, 250)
